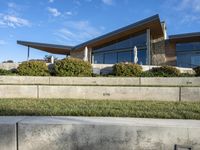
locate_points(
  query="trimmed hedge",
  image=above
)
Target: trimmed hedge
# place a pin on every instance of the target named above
(128, 70)
(72, 67)
(6, 72)
(197, 70)
(33, 68)
(166, 71)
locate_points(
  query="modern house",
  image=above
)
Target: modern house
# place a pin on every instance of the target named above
(150, 37)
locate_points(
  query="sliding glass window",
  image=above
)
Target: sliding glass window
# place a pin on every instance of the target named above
(188, 54)
(110, 58)
(121, 50)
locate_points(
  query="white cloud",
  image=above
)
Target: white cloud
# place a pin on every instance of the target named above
(108, 2)
(76, 32)
(191, 5)
(69, 13)
(51, 1)
(13, 21)
(2, 42)
(187, 11)
(54, 11)
(190, 19)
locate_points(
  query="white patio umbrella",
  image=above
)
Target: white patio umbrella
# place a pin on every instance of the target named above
(85, 54)
(52, 59)
(135, 55)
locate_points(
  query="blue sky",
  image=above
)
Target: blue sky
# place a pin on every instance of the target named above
(70, 22)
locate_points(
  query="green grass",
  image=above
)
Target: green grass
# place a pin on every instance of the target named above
(71, 107)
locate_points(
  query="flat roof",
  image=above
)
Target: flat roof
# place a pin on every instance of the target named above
(185, 37)
(51, 48)
(152, 23)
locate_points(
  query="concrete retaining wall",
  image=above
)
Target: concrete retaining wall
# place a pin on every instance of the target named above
(190, 94)
(184, 81)
(101, 92)
(90, 133)
(171, 89)
(18, 91)
(93, 81)
(114, 93)
(115, 81)
(23, 80)
(8, 132)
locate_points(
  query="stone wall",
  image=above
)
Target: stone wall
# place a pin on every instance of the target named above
(77, 54)
(158, 53)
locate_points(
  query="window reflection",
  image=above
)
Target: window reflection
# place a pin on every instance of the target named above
(110, 58)
(98, 58)
(121, 51)
(188, 54)
(142, 55)
(125, 56)
(193, 46)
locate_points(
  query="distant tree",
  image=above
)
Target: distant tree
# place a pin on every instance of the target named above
(8, 61)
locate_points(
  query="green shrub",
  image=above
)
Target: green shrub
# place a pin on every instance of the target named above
(5, 72)
(33, 68)
(166, 71)
(147, 74)
(128, 70)
(72, 67)
(197, 71)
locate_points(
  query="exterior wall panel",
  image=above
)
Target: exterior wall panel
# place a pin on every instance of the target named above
(170, 52)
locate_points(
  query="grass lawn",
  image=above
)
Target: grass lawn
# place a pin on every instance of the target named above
(71, 107)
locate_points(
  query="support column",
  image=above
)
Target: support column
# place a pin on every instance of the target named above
(148, 47)
(90, 55)
(28, 54)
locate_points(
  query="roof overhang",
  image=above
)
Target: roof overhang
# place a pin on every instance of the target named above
(187, 37)
(153, 23)
(51, 48)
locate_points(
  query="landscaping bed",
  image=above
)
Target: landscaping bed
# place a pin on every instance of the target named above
(72, 107)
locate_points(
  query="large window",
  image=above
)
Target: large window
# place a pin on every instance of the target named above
(188, 54)
(121, 50)
(110, 58)
(125, 56)
(193, 46)
(142, 57)
(99, 58)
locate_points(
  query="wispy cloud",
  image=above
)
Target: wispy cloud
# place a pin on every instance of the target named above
(13, 21)
(76, 32)
(190, 18)
(54, 11)
(187, 11)
(108, 2)
(193, 5)
(2, 42)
